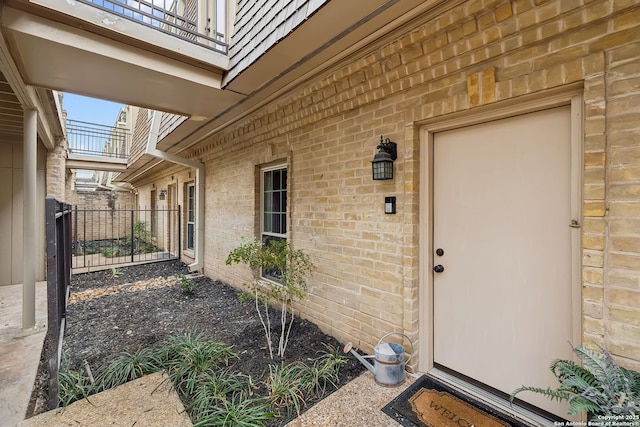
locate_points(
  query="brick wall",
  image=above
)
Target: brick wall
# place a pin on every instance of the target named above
(102, 214)
(56, 171)
(620, 298)
(478, 53)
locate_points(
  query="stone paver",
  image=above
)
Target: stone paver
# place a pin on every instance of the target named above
(149, 401)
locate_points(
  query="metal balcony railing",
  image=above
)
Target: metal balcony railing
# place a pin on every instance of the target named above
(181, 18)
(91, 139)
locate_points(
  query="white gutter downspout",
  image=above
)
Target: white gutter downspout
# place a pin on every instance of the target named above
(154, 135)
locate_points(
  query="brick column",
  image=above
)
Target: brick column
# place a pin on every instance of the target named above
(56, 173)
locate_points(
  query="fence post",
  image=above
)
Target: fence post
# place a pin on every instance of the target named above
(53, 330)
(84, 237)
(132, 237)
(66, 221)
(75, 232)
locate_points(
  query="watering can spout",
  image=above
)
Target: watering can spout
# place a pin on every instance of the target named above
(348, 348)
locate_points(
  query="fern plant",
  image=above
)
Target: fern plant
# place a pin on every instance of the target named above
(600, 386)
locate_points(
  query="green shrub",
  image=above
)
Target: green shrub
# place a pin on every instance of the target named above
(186, 284)
(244, 297)
(237, 411)
(111, 251)
(140, 231)
(127, 366)
(192, 350)
(216, 386)
(324, 371)
(214, 395)
(289, 385)
(599, 387)
(285, 386)
(72, 385)
(189, 358)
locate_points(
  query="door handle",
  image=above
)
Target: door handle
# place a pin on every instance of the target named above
(438, 268)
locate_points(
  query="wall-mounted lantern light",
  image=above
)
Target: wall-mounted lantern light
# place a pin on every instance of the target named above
(163, 194)
(382, 163)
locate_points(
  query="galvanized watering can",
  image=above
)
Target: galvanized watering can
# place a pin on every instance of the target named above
(388, 364)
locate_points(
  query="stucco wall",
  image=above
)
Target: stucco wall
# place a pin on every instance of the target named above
(12, 213)
(480, 53)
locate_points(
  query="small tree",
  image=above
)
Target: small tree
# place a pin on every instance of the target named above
(290, 267)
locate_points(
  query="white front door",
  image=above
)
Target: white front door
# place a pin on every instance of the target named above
(501, 214)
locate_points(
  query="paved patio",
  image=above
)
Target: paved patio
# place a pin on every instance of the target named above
(19, 351)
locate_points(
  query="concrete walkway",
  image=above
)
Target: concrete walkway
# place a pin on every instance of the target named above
(357, 404)
(19, 351)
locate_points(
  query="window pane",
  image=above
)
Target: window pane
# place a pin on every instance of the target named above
(268, 206)
(266, 222)
(190, 235)
(284, 201)
(274, 201)
(268, 186)
(191, 202)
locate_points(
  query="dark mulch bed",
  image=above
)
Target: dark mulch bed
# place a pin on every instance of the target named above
(101, 327)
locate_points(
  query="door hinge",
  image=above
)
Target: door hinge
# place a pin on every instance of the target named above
(575, 224)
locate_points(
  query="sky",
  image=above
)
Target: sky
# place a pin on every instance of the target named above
(90, 110)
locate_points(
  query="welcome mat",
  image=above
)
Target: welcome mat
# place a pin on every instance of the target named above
(431, 403)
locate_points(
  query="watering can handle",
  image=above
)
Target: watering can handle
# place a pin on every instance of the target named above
(408, 339)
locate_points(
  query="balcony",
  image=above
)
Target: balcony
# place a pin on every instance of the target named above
(97, 147)
(200, 23)
(166, 55)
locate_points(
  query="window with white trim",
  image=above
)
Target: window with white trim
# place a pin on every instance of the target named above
(273, 227)
(191, 216)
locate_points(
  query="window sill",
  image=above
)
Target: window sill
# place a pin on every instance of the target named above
(188, 253)
(265, 282)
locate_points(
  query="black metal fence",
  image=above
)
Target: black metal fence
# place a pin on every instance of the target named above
(58, 234)
(117, 237)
